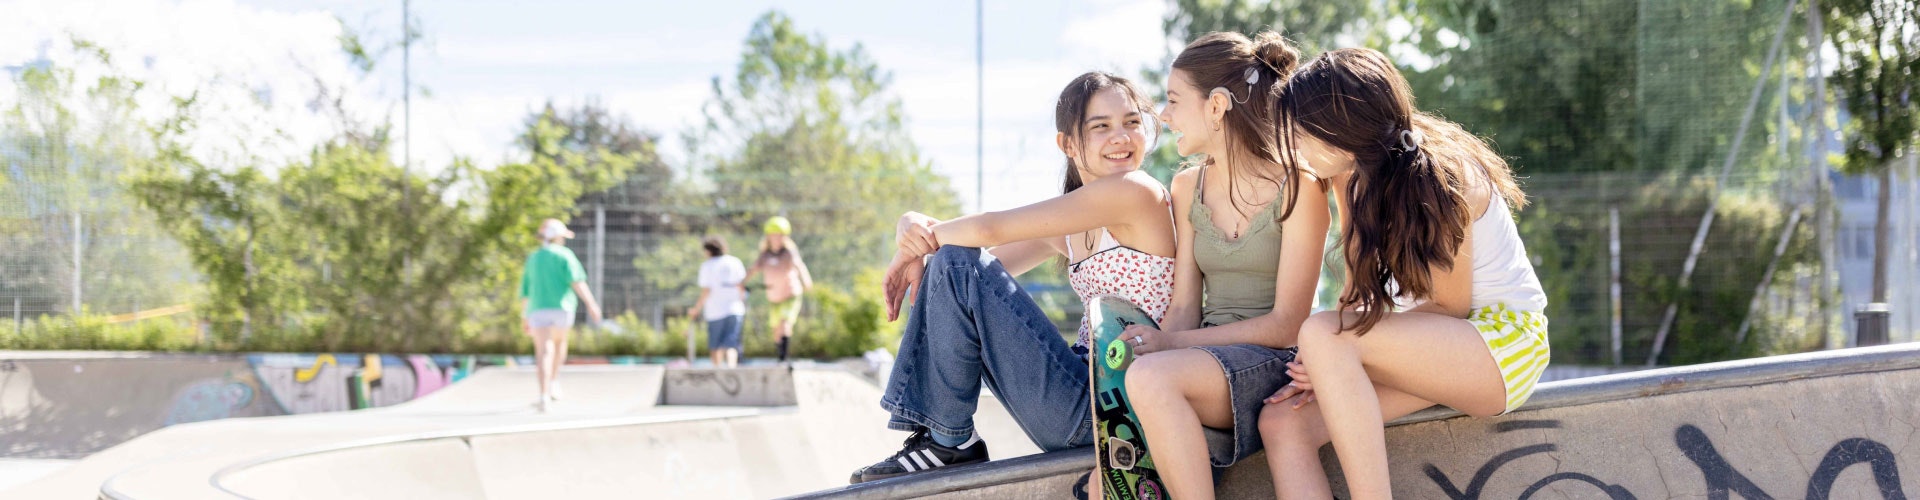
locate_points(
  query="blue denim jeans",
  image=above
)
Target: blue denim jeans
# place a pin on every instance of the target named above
(971, 326)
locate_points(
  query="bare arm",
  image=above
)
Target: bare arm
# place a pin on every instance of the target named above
(1188, 285)
(1022, 256)
(1453, 288)
(806, 277)
(1302, 239)
(586, 297)
(1111, 201)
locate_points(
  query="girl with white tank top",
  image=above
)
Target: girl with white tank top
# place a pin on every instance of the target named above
(1427, 215)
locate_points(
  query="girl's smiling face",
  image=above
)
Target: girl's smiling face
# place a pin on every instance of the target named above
(1186, 115)
(1113, 136)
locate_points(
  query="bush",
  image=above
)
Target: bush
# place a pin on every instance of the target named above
(93, 332)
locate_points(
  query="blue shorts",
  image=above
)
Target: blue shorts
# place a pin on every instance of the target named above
(724, 333)
(1253, 373)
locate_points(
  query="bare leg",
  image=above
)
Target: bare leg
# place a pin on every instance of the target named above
(733, 358)
(540, 358)
(1293, 438)
(1429, 356)
(560, 335)
(1175, 393)
(719, 357)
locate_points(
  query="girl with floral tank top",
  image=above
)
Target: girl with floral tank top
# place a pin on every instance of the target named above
(971, 325)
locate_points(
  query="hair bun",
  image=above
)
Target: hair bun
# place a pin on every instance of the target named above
(1276, 52)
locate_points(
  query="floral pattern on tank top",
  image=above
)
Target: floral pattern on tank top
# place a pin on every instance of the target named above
(1143, 278)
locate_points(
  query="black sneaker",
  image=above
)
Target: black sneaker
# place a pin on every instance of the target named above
(921, 454)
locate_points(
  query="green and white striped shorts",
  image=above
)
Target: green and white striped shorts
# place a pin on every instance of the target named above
(1518, 341)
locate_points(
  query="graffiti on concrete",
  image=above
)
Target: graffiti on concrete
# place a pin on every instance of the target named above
(211, 399)
(727, 381)
(1722, 478)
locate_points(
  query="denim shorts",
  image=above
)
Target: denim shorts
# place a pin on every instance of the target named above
(724, 333)
(546, 318)
(1253, 373)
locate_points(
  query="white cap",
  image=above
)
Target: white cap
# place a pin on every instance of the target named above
(553, 228)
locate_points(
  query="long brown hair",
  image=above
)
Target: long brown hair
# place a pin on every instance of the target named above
(1408, 191)
(1225, 61)
(1071, 109)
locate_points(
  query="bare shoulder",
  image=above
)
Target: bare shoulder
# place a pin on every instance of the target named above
(1478, 193)
(1183, 183)
(1134, 187)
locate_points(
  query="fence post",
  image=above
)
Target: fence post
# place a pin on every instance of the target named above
(1613, 288)
(600, 257)
(76, 264)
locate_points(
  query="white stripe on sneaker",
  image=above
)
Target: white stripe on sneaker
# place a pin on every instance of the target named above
(917, 460)
(974, 438)
(935, 460)
(908, 465)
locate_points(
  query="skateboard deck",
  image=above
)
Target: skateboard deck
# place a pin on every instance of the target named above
(1126, 470)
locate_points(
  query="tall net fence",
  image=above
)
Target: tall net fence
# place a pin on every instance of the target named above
(71, 238)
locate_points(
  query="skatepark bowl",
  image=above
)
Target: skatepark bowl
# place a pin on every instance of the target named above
(1833, 424)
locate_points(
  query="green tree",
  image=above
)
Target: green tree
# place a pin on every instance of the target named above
(329, 247)
(812, 132)
(1878, 79)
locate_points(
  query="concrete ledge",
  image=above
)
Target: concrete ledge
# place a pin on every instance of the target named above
(973, 478)
(755, 386)
(1626, 429)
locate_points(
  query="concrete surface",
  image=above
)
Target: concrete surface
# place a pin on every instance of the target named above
(1835, 424)
(744, 386)
(483, 438)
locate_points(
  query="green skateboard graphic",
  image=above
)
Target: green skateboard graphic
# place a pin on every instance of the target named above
(1126, 470)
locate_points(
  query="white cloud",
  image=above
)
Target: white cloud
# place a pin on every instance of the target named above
(255, 73)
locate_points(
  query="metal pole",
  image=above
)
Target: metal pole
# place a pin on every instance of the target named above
(980, 107)
(1613, 288)
(406, 79)
(77, 243)
(1913, 247)
(600, 253)
(1780, 249)
(19, 323)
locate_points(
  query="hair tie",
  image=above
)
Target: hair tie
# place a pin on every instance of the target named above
(1410, 140)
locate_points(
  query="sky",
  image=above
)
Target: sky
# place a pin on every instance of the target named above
(486, 64)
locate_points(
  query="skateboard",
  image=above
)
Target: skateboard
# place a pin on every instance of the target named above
(1126, 470)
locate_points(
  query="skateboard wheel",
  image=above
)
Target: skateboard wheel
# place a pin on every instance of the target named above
(1116, 354)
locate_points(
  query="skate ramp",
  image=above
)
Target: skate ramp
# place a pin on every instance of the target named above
(69, 405)
(1835, 424)
(483, 438)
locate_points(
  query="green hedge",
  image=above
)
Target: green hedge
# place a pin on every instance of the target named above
(833, 324)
